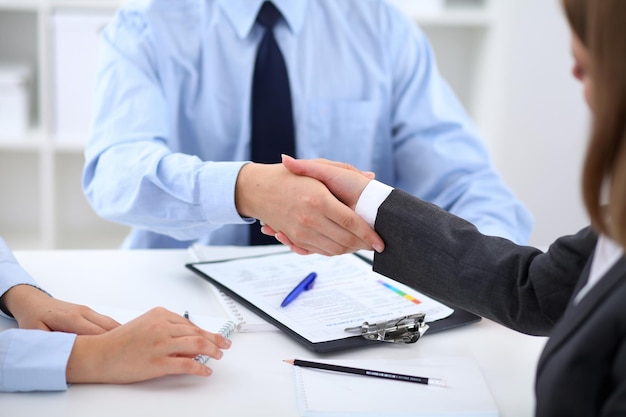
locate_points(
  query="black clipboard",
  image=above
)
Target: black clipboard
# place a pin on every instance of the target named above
(458, 318)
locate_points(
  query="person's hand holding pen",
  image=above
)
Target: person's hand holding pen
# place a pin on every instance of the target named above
(154, 344)
(203, 359)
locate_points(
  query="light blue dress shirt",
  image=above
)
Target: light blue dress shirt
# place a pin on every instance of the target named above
(30, 360)
(171, 128)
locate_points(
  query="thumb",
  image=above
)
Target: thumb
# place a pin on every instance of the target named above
(320, 169)
(306, 168)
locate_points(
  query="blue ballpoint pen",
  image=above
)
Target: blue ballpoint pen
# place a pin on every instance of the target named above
(304, 285)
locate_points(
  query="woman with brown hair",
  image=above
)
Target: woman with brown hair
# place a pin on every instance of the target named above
(576, 291)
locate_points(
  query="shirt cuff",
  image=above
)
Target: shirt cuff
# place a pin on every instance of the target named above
(217, 183)
(370, 200)
(34, 360)
(12, 274)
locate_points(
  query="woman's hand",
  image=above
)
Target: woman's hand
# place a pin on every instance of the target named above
(155, 344)
(34, 309)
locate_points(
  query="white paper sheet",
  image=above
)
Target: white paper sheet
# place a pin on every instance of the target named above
(325, 393)
(346, 293)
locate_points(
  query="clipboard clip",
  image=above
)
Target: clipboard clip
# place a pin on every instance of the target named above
(406, 329)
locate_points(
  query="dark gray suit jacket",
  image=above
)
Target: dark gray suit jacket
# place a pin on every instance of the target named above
(582, 371)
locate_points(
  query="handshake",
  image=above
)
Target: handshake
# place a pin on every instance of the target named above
(314, 210)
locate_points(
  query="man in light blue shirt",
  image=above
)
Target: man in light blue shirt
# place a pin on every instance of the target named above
(171, 135)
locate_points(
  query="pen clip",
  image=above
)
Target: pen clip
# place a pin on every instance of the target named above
(405, 329)
(309, 285)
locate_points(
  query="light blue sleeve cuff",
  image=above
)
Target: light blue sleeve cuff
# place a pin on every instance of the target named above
(217, 192)
(370, 200)
(34, 360)
(11, 272)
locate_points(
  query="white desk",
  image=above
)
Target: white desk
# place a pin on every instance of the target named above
(251, 380)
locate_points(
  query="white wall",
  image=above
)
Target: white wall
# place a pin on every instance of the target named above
(533, 114)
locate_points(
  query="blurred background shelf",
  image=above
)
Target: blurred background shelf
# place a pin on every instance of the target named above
(40, 169)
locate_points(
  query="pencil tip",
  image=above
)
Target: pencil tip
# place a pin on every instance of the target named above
(438, 382)
(289, 361)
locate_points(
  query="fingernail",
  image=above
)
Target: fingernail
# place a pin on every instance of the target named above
(378, 247)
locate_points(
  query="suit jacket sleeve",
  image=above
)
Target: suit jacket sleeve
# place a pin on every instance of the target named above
(447, 258)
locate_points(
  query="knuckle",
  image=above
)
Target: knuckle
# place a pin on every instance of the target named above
(347, 222)
(158, 311)
(82, 308)
(312, 201)
(200, 344)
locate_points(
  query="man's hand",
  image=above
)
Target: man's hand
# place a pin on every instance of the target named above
(302, 209)
(34, 309)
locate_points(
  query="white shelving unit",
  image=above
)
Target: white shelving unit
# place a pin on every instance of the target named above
(43, 205)
(40, 172)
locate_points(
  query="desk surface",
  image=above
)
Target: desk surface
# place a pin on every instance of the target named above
(251, 379)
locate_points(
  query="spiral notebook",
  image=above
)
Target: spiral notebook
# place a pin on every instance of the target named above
(322, 393)
(245, 319)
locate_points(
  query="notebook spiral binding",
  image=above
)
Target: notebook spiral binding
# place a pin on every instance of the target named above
(232, 306)
(228, 328)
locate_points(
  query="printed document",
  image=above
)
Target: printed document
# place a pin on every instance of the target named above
(345, 294)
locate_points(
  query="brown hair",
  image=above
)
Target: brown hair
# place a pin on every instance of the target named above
(599, 24)
(576, 13)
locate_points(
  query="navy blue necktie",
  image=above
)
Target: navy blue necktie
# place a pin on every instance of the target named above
(272, 116)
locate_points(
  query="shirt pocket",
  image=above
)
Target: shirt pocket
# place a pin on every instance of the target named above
(342, 130)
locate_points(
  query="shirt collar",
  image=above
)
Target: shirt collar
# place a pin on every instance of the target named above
(242, 13)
